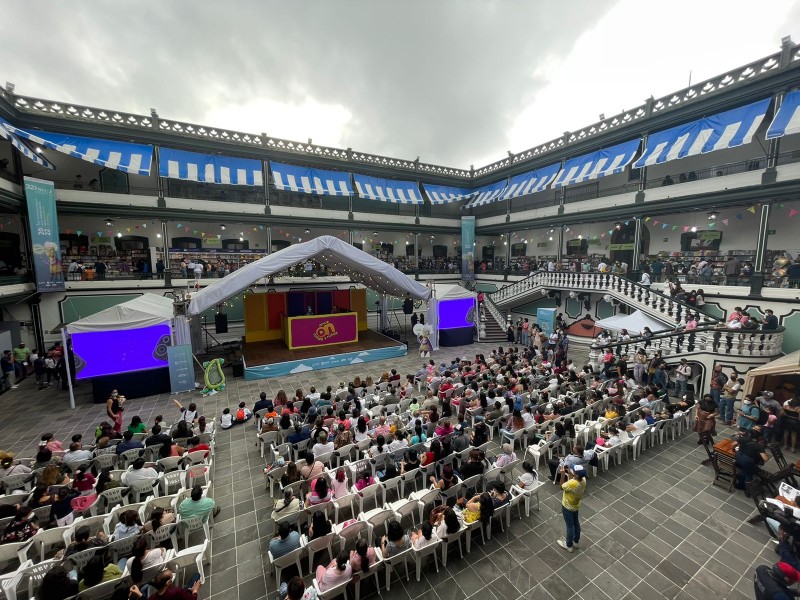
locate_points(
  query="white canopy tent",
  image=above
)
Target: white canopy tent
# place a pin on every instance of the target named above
(773, 374)
(327, 250)
(443, 292)
(634, 323)
(144, 311)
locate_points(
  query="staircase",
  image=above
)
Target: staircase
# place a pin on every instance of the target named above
(495, 334)
(650, 302)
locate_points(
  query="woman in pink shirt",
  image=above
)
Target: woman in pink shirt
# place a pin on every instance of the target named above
(338, 571)
(444, 428)
(364, 480)
(362, 557)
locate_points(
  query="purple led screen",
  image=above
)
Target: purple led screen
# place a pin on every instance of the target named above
(111, 352)
(457, 313)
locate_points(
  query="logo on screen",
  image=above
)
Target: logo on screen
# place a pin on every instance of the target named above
(325, 331)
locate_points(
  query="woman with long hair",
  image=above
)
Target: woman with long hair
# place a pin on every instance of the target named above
(362, 557)
(281, 399)
(338, 571)
(142, 558)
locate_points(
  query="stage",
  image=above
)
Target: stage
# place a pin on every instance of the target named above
(263, 360)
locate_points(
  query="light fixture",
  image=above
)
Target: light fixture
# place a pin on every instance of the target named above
(580, 236)
(617, 225)
(375, 233)
(241, 239)
(222, 226)
(158, 235)
(306, 231)
(551, 238)
(712, 216)
(109, 223)
(505, 243)
(119, 234)
(38, 150)
(694, 229)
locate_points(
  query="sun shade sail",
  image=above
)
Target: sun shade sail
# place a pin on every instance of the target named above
(597, 164)
(20, 145)
(387, 190)
(209, 168)
(787, 119)
(530, 182)
(443, 194)
(310, 181)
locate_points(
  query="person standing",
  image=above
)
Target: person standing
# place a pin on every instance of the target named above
(21, 356)
(682, 375)
(572, 492)
(7, 368)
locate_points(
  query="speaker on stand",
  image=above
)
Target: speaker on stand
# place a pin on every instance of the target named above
(408, 309)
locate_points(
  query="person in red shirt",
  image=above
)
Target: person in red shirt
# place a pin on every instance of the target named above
(166, 591)
(195, 446)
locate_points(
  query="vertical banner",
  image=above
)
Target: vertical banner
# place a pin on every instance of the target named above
(468, 248)
(181, 368)
(41, 198)
(546, 319)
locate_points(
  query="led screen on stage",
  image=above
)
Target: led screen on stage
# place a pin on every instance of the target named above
(457, 313)
(111, 352)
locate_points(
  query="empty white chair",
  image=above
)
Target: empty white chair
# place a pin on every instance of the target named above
(375, 492)
(403, 508)
(393, 562)
(349, 534)
(188, 525)
(9, 582)
(190, 561)
(14, 552)
(47, 539)
(198, 474)
(342, 503)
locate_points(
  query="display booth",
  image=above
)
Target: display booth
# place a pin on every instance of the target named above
(113, 346)
(634, 323)
(775, 376)
(452, 314)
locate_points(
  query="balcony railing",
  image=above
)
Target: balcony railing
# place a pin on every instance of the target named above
(716, 339)
(620, 288)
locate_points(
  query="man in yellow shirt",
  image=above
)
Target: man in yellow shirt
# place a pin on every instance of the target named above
(573, 490)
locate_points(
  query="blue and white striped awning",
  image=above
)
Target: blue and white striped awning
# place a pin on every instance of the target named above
(487, 194)
(209, 168)
(387, 190)
(608, 161)
(726, 130)
(122, 156)
(787, 119)
(310, 181)
(443, 194)
(20, 145)
(531, 182)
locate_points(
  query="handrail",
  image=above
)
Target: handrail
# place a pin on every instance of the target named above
(495, 312)
(594, 281)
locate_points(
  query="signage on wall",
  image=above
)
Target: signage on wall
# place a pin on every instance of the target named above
(210, 242)
(541, 245)
(621, 246)
(43, 224)
(709, 235)
(772, 231)
(594, 242)
(101, 240)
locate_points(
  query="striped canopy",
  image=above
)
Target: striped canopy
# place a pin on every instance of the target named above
(387, 190)
(209, 168)
(310, 181)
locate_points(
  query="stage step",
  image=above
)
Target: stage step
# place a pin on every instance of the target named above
(494, 333)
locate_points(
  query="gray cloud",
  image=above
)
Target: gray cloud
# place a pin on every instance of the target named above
(442, 80)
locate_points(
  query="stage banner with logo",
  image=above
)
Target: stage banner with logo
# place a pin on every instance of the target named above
(546, 319)
(322, 330)
(41, 198)
(468, 248)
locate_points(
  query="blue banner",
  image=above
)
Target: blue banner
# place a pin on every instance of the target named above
(546, 320)
(41, 198)
(468, 248)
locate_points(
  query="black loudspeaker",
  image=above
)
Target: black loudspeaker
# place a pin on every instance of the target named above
(238, 368)
(220, 323)
(408, 306)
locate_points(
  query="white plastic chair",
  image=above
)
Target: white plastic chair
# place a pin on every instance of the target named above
(452, 538)
(393, 562)
(339, 589)
(159, 536)
(344, 502)
(374, 567)
(321, 543)
(288, 559)
(188, 525)
(537, 451)
(46, 539)
(403, 508)
(371, 492)
(354, 531)
(428, 550)
(192, 557)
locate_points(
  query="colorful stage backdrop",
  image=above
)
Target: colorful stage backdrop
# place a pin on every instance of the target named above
(263, 312)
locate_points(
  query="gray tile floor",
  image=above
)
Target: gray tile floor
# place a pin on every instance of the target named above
(652, 528)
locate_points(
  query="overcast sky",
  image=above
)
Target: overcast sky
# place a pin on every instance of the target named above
(455, 82)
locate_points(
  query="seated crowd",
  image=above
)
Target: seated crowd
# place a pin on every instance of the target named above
(120, 501)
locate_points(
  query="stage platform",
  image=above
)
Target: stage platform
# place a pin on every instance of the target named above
(263, 360)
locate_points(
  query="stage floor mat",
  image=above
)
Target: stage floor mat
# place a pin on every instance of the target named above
(273, 359)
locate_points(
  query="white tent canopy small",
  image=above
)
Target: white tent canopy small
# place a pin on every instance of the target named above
(145, 311)
(443, 292)
(327, 250)
(634, 323)
(770, 375)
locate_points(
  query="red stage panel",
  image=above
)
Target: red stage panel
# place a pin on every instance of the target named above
(341, 299)
(276, 305)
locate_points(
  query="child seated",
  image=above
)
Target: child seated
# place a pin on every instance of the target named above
(244, 413)
(226, 420)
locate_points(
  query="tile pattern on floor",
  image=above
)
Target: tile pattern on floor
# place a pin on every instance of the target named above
(653, 528)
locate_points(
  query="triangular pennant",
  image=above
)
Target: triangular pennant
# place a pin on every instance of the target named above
(186, 229)
(202, 234)
(99, 234)
(195, 231)
(711, 225)
(725, 221)
(793, 212)
(610, 231)
(646, 219)
(261, 227)
(674, 227)
(602, 235)
(752, 209)
(179, 225)
(685, 228)
(79, 232)
(626, 222)
(219, 237)
(781, 205)
(664, 225)
(144, 225)
(655, 222)
(129, 229)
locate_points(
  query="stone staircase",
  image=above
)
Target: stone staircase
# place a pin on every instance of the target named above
(613, 287)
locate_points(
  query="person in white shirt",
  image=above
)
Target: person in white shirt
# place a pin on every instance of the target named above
(139, 472)
(645, 281)
(198, 270)
(226, 420)
(313, 395)
(613, 437)
(399, 442)
(76, 455)
(323, 446)
(551, 266)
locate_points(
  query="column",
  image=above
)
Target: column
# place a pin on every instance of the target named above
(416, 255)
(642, 175)
(165, 242)
(507, 268)
(265, 175)
(757, 278)
(634, 271)
(350, 236)
(560, 249)
(269, 239)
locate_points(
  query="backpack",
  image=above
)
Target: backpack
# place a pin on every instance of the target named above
(767, 586)
(240, 414)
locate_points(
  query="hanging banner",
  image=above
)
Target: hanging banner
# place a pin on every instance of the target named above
(468, 248)
(546, 320)
(41, 198)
